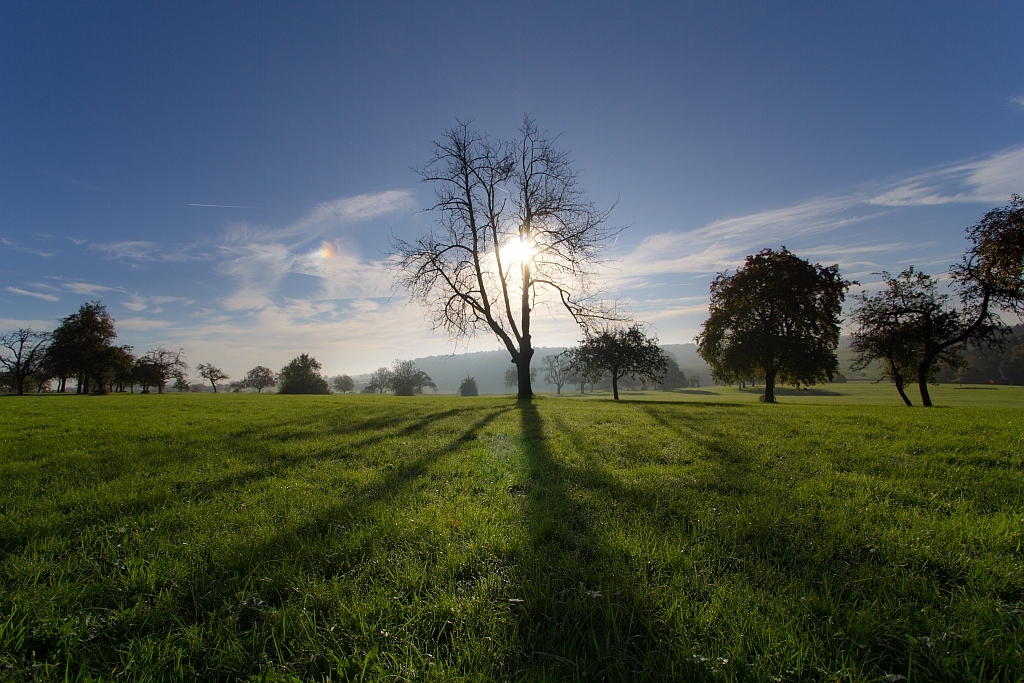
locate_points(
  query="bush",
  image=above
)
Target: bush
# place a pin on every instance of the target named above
(468, 387)
(302, 376)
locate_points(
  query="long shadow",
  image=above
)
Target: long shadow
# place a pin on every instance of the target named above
(293, 543)
(190, 600)
(255, 437)
(582, 617)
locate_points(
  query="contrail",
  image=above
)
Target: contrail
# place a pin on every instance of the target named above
(229, 206)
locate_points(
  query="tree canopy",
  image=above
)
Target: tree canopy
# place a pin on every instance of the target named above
(302, 376)
(157, 367)
(913, 330)
(259, 378)
(618, 352)
(777, 316)
(407, 380)
(897, 325)
(344, 384)
(23, 353)
(80, 347)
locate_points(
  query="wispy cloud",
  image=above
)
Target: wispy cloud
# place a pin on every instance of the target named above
(258, 259)
(10, 244)
(722, 244)
(1018, 102)
(37, 295)
(130, 249)
(155, 304)
(988, 179)
(87, 288)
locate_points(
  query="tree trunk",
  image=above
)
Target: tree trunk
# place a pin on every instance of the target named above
(214, 387)
(615, 386)
(523, 373)
(21, 384)
(922, 382)
(903, 394)
(769, 386)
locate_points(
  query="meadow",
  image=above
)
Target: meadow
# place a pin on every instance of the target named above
(685, 536)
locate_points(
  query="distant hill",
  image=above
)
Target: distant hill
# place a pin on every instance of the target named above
(488, 367)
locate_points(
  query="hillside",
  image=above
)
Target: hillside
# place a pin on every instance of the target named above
(488, 367)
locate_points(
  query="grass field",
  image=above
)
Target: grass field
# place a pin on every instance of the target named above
(849, 393)
(238, 537)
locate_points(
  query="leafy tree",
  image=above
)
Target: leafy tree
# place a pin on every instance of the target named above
(211, 374)
(259, 378)
(344, 384)
(302, 376)
(1012, 365)
(694, 380)
(891, 325)
(80, 347)
(925, 329)
(674, 377)
(620, 352)
(120, 368)
(380, 381)
(406, 379)
(557, 368)
(512, 377)
(181, 384)
(513, 228)
(23, 353)
(777, 316)
(468, 387)
(157, 367)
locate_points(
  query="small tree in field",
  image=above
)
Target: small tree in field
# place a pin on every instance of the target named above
(344, 384)
(557, 368)
(511, 378)
(890, 324)
(380, 380)
(468, 387)
(913, 329)
(406, 379)
(23, 354)
(156, 368)
(259, 378)
(620, 352)
(302, 376)
(777, 315)
(181, 384)
(211, 374)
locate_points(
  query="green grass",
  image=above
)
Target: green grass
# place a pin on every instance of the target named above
(849, 393)
(247, 537)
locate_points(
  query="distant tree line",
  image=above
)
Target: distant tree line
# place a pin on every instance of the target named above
(82, 349)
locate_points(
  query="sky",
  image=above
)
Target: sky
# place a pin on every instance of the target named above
(227, 177)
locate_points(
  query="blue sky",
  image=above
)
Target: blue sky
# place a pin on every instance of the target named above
(868, 134)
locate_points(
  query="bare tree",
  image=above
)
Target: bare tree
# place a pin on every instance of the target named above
(158, 366)
(557, 368)
(380, 380)
(514, 230)
(24, 353)
(211, 374)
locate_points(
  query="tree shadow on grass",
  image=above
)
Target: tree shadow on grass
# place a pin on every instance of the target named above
(263, 435)
(582, 615)
(204, 595)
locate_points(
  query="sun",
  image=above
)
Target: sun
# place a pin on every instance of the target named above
(518, 250)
